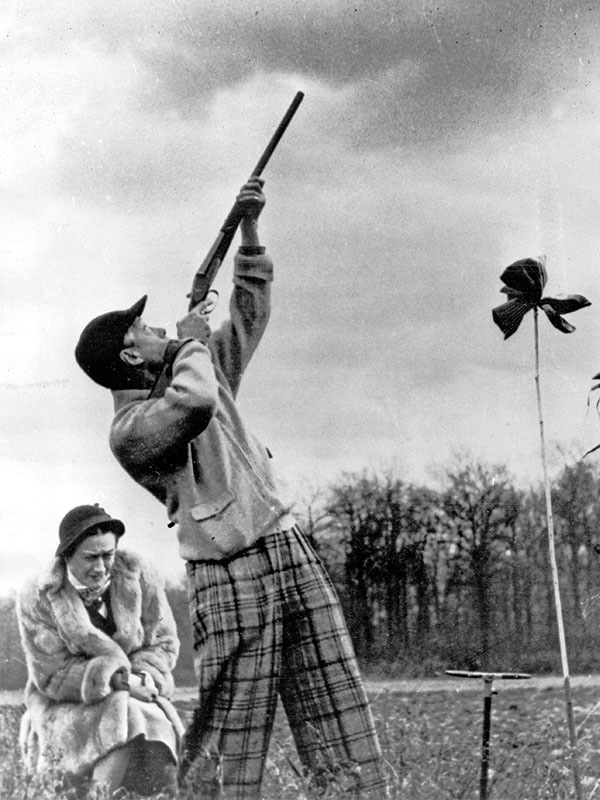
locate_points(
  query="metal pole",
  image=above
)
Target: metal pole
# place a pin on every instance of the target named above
(488, 691)
(488, 683)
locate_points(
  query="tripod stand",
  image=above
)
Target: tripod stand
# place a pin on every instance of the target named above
(488, 690)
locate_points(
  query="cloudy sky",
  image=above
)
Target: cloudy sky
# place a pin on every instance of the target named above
(437, 143)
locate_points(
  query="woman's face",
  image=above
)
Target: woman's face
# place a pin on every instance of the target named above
(92, 562)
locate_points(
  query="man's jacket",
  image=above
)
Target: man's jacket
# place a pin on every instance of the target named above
(190, 447)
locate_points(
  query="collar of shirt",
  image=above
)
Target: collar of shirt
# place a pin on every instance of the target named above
(89, 596)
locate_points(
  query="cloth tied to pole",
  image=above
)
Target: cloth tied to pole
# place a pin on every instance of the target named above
(524, 283)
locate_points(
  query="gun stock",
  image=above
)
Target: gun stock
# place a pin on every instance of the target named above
(207, 271)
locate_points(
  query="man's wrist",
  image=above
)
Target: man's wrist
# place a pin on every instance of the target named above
(249, 232)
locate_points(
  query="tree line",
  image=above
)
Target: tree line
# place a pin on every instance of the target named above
(451, 577)
(458, 577)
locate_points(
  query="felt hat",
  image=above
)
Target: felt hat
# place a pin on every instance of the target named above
(101, 341)
(79, 521)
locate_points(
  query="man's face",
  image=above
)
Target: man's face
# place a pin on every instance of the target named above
(93, 560)
(149, 343)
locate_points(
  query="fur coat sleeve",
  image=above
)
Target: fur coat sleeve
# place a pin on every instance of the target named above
(68, 659)
(160, 646)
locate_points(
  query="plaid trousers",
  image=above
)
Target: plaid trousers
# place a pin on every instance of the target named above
(267, 623)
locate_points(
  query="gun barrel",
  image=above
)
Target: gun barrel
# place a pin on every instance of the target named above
(287, 118)
(232, 220)
(208, 269)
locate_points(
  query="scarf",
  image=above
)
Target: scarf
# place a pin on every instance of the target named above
(90, 597)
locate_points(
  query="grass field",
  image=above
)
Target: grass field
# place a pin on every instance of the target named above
(431, 741)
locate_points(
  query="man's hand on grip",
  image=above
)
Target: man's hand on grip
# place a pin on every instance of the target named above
(251, 199)
(195, 324)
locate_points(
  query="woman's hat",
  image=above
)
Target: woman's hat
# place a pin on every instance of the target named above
(76, 525)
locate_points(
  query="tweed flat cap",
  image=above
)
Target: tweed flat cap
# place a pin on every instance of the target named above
(101, 341)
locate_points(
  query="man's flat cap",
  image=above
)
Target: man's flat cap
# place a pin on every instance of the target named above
(101, 342)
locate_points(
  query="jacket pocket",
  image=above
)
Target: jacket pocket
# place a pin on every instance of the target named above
(213, 507)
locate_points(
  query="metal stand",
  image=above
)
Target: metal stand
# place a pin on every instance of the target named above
(488, 691)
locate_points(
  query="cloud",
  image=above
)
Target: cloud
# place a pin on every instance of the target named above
(126, 104)
(502, 60)
(418, 72)
(431, 150)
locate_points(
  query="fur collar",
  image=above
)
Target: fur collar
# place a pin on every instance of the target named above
(72, 618)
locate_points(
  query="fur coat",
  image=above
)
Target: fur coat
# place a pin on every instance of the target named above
(70, 663)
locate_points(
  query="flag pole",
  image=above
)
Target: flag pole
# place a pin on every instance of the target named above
(554, 569)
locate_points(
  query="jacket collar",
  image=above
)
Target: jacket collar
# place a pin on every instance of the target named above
(123, 397)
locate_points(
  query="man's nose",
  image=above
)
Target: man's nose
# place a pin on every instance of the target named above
(162, 332)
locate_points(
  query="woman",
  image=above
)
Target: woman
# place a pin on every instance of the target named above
(100, 642)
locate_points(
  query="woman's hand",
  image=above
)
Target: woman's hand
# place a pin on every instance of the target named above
(120, 681)
(142, 687)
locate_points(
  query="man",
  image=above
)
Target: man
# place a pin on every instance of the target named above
(265, 617)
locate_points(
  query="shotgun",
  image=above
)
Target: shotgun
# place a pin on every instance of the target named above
(207, 271)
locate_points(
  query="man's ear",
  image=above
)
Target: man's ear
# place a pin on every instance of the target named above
(131, 356)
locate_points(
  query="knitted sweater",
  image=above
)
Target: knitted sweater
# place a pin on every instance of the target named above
(190, 447)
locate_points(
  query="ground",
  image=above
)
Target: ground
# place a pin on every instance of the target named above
(430, 733)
